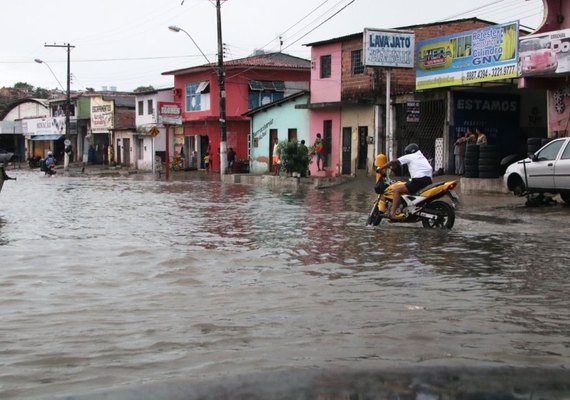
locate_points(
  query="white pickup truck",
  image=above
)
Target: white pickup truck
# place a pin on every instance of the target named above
(546, 171)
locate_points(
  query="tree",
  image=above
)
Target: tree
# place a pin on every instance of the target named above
(41, 93)
(24, 87)
(141, 89)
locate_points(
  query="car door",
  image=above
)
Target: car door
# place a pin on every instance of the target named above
(540, 172)
(562, 169)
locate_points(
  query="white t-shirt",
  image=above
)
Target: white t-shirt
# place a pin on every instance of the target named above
(418, 165)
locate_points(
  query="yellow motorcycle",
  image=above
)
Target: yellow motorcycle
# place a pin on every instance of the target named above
(426, 206)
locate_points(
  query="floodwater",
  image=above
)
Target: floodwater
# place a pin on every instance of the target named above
(114, 283)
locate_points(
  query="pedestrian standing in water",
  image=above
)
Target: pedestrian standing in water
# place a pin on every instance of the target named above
(459, 153)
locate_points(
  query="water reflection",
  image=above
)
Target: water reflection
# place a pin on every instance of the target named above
(116, 281)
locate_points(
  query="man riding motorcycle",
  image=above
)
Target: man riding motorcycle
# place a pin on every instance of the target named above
(420, 172)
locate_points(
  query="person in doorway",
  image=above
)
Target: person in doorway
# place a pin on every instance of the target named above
(275, 157)
(459, 153)
(420, 172)
(319, 148)
(481, 137)
(231, 159)
(304, 152)
(207, 161)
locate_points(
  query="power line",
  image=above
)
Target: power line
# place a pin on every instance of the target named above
(318, 26)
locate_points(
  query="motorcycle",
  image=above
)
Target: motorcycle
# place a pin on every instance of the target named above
(426, 206)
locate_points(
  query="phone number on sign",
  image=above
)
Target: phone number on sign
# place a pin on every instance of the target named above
(493, 72)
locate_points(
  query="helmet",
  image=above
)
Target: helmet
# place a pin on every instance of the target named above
(50, 153)
(411, 148)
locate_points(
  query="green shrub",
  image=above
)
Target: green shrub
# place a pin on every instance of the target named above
(294, 157)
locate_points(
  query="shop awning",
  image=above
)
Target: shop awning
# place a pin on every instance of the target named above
(46, 137)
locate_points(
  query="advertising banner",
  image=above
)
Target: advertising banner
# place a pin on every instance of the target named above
(169, 113)
(545, 54)
(53, 126)
(388, 48)
(102, 112)
(481, 55)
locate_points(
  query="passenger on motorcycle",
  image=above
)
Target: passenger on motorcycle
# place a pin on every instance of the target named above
(420, 172)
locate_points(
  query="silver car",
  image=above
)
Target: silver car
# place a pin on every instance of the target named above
(6, 156)
(546, 171)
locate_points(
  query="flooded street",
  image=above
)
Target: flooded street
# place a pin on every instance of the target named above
(114, 282)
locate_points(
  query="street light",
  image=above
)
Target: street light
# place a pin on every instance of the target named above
(50, 70)
(177, 29)
(68, 97)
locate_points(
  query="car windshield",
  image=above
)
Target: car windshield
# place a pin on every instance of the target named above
(532, 45)
(550, 151)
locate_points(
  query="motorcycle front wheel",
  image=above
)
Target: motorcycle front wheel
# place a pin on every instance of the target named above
(445, 216)
(375, 216)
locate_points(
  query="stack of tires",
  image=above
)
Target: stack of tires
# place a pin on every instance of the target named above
(472, 161)
(535, 143)
(488, 166)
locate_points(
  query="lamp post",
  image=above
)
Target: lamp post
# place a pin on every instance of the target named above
(221, 85)
(68, 96)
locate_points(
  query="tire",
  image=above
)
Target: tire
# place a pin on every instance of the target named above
(488, 148)
(565, 197)
(516, 185)
(446, 216)
(471, 174)
(488, 169)
(375, 216)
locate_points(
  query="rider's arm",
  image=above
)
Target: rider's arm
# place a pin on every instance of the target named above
(389, 164)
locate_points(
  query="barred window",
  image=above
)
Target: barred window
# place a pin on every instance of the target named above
(357, 66)
(326, 66)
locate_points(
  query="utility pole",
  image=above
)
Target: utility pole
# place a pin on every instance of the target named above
(68, 99)
(222, 93)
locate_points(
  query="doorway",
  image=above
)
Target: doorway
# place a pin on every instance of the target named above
(362, 146)
(346, 150)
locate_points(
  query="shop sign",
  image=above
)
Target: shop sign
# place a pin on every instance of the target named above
(481, 55)
(169, 113)
(545, 54)
(388, 48)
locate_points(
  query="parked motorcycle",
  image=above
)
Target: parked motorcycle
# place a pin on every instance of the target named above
(426, 206)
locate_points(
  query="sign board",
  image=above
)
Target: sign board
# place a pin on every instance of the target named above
(413, 111)
(102, 112)
(389, 48)
(154, 131)
(169, 113)
(545, 54)
(44, 126)
(481, 55)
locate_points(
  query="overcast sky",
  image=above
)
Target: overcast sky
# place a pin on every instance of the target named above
(127, 44)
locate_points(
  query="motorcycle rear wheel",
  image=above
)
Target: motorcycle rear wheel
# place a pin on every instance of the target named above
(445, 219)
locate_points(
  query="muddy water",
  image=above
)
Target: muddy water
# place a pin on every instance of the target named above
(117, 282)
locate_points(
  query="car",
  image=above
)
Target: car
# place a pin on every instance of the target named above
(545, 171)
(536, 56)
(6, 156)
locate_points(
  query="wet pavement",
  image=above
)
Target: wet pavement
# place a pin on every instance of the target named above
(122, 285)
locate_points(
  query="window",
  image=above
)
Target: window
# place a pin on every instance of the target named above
(140, 107)
(150, 108)
(566, 153)
(198, 96)
(550, 151)
(356, 62)
(264, 92)
(291, 134)
(326, 66)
